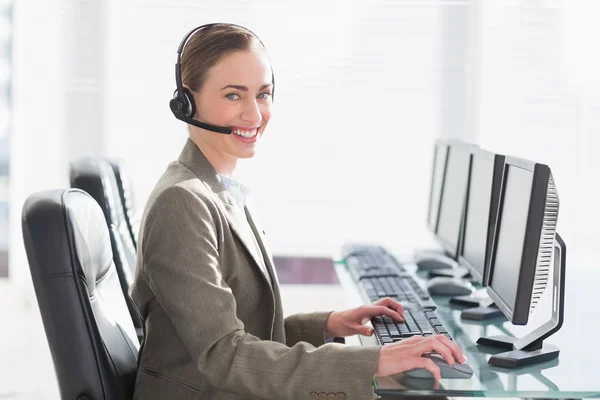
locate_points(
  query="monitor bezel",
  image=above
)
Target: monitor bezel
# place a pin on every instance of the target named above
(497, 182)
(519, 314)
(432, 225)
(450, 249)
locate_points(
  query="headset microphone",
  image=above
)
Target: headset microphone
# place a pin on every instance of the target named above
(182, 104)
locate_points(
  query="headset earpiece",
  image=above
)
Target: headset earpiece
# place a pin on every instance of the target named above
(183, 104)
(189, 105)
(175, 105)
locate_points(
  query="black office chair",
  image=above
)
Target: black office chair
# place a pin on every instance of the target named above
(96, 176)
(132, 215)
(91, 336)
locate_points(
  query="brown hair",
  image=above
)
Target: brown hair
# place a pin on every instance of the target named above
(210, 45)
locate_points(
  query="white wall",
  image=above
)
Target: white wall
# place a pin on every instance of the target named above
(540, 100)
(36, 140)
(59, 115)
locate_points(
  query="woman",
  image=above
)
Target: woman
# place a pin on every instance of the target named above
(205, 282)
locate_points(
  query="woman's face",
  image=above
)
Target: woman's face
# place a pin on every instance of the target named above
(236, 94)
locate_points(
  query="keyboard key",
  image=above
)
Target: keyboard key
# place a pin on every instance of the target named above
(410, 334)
(403, 329)
(440, 329)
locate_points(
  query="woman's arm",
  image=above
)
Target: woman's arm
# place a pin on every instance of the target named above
(181, 266)
(309, 327)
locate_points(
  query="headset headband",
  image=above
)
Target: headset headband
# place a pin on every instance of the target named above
(187, 37)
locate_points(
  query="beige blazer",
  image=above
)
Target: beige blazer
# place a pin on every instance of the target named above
(214, 327)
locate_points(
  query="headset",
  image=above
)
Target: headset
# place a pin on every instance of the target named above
(182, 104)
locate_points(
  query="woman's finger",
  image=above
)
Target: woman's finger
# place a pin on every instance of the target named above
(374, 311)
(433, 344)
(456, 350)
(364, 330)
(390, 303)
(423, 362)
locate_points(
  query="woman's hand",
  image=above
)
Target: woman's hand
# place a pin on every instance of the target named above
(352, 322)
(407, 354)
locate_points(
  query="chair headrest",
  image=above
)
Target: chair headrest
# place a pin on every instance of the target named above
(89, 329)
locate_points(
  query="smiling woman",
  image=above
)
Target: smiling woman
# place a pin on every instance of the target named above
(205, 284)
(229, 87)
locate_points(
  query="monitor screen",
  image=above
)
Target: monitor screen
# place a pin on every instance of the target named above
(510, 238)
(439, 165)
(477, 237)
(453, 197)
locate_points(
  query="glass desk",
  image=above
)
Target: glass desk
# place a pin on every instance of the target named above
(575, 374)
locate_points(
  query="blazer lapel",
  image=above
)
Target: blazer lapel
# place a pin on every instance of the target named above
(259, 233)
(260, 236)
(192, 157)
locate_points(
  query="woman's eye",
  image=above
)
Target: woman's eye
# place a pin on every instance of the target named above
(232, 96)
(264, 95)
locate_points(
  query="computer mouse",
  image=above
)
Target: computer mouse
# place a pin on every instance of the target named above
(431, 262)
(447, 371)
(449, 286)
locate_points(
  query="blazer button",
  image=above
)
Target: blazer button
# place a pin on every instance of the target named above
(314, 396)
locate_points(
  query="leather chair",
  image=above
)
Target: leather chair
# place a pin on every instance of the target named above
(96, 176)
(132, 215)
(90, 333)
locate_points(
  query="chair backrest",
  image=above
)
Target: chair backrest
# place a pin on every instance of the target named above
(91, 336)
(95, 176)
(128, 200)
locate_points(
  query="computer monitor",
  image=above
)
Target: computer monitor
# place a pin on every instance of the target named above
(437, 179)
(481, 211)
(452, 197)
(524, 240)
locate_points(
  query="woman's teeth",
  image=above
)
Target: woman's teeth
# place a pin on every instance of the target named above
(246, 134)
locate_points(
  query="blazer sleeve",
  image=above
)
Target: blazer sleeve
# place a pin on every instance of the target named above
(181, 266)
(309, 327)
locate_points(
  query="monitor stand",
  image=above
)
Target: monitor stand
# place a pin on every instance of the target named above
(482, 313)
(482, 307)
(531, 349)
(477, 299)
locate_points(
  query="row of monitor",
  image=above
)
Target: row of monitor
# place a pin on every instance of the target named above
(495, 215)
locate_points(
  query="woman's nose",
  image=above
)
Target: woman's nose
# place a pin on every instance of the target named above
(252, 113)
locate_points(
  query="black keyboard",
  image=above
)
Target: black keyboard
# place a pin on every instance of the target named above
(402, 288)
(350, 249)
(380, 275)
(374, 263)
(417, 323)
